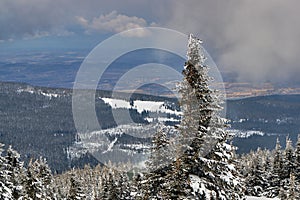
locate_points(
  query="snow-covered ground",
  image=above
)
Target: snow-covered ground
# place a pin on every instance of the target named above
(31, 90)
(198, 187)
(159, 107)
(245, 134)
(50, 95)
(260, 198)
(140, 106)
(98, 141)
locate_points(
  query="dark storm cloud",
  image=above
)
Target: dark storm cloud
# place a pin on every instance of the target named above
(30, 18)
(257, 39)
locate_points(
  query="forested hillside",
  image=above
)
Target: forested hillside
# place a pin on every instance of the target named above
(196, 161)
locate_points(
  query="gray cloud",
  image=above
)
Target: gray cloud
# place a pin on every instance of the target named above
(113, 22)
(256, 39)
(30, 18)
(34, 18)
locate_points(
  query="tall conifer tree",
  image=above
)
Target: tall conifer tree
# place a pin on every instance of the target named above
(205, 156)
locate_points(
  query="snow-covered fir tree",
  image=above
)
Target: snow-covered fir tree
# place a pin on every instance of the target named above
(44, 174)
(292, 191)
(297, 160)
(104, 184)
(112, 187)
(5, 178)
(205, 155)
(16, 171)
(254, 180)
(278, 164)
(288, 159)
(137, 187)
(277, 172)
(123, 187)
(76, 188)
(35, 189)
(177, 185)
(282, 193)
(157, 164)
(256, 167)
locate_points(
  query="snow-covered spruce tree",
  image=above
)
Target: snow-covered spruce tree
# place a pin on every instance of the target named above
(277, 172)
(123, 188)
(5, 177)
(292, 192)
(177, 185)
(109, 185)
(268, 159)
(297, 160)
(33, 186)
(282, 194)
(288, 159)
(256, 167)
(38, 180)
(112, 188)
(76, 189)
(256, 181)
(136, 186)
(157, 164)
(16, 170)
(88, 185)
(104, 194)
(206, 155)
(44, 174)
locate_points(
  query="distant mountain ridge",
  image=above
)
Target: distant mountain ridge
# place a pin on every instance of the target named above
(38, 121)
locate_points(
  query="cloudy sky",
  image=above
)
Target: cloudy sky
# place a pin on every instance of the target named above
(258, 40)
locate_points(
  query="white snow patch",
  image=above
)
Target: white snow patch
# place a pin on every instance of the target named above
(219, 154)
(162, 119)
(195, 182)
(110, 146)
(199, 187)
(50, 95)
(231, 167)
(245, 134)
(260, 198)
(140, 106)
(29, 90)
(242, 120)
(32, 91)
(96, 141)
(153, 106)
(117, 103)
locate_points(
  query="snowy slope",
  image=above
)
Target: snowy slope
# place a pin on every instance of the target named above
(132, 141)
(245, 133)
(140, 106)
(158, 110)
(161, 108)
(260, 198)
